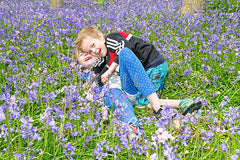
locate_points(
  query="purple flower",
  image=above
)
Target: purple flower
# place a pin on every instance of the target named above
(37, 137)
(4, 132)
(55, 129)
(73, 115)
(2, 115)
(69, 148)
(52, 95)
(204, 102)
(69, 125)
(20, 156)
(169, 151)
(234, 157)
(233, 129)
(34, 85)
(204, 67)
(187, 72)
(209, 136)
(74, 134)
(98, 154)
(224, 147)
(225, 101)
(90, 123)
(88, 139)
(237, 151)
(5, 97)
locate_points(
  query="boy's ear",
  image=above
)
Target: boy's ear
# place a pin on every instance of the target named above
(100, 35)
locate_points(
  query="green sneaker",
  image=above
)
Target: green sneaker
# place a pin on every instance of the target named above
(189, 105)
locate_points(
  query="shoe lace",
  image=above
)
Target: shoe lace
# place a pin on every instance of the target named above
(133, 126)
(186, 102)
(131, 123)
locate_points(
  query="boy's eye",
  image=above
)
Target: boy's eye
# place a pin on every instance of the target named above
(89, 52)
(93, 44)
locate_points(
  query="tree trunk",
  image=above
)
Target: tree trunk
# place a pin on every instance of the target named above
(56, 3)
(192, 6)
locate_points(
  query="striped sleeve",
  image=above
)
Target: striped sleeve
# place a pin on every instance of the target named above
(115, 42)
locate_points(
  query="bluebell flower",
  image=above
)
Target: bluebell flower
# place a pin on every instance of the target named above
(2, 115)
(88, 139)
(98, 154)
(224, 147)
(187, 72)
(69, 125)
(225, 101)
(237, 151)
(69, 148)
(74, 134)
(90, 123)
(4, 132)
(234, 157)
(169, 151)
(20, 156)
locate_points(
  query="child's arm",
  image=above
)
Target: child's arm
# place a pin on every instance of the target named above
(110, 70)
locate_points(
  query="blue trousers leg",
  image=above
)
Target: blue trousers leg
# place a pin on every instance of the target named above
(116, 98)
(133, 76)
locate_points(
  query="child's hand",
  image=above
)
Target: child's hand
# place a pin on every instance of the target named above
(105, 77)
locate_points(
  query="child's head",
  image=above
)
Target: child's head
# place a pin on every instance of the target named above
(91, 41)
(84, 59)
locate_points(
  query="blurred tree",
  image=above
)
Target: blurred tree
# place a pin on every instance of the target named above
(56, 3)
(191, 6)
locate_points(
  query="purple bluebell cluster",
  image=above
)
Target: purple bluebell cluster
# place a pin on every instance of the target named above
(49, 111)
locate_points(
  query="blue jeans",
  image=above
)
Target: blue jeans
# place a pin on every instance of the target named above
(133, 76)
(135, 80)
(115, 98)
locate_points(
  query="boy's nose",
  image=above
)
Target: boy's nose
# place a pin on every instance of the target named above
(94, 51)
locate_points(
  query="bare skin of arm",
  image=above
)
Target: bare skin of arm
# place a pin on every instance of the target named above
(110, 71)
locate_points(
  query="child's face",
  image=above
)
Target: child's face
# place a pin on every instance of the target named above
(86, 60)
(94, 46)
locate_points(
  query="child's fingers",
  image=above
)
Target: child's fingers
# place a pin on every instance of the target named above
(104, 80)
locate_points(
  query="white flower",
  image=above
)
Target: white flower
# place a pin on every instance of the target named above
(154, 156)
(162, 136)
(104, 112)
